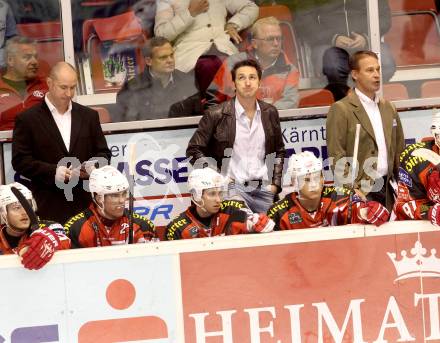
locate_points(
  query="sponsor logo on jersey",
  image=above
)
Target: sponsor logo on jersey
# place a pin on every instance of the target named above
(278, 207)
(38, 94)
(424, 208)
(231, 203)
(404, 177)
(295, 218)
(72, 220)
(410, 148)
(402, 192)
(4, 95)
(193, 231)
(328, 190)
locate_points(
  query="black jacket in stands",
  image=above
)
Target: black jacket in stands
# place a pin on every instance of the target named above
(144, 98)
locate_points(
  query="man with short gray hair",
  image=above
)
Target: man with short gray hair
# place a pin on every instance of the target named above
(20, 86)
(279, 82)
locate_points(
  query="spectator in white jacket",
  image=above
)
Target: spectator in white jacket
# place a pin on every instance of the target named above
(199, 27)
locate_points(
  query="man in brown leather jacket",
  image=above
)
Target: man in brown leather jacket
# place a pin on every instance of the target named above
(242, 137)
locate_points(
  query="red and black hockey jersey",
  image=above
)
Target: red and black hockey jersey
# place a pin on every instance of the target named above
(230, 220)
(412, 201)
(12, 245)
(88, 229)
(289, 214)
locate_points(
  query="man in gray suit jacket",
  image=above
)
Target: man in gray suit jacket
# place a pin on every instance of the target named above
(381, 135)
(50, 131)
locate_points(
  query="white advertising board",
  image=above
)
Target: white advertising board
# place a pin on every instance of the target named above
(92, 301)
(373, 285)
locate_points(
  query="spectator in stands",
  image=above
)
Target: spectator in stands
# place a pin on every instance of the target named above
(209, 215)
(8, 28)
(312, 204)
(35, 11)
(20, 87)
(200, 28)
(193, 105)
(337, 29)
(150, 95)
(418, 195)
(381, 135)
(279, 82)
(50, 131)
(145, 10)
(251, 130)
(106, 222)
(35, 245)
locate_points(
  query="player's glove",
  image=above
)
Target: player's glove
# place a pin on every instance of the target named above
(39, 248)
(433, 186)
(260, 222)
(374, 212)
(434, 214)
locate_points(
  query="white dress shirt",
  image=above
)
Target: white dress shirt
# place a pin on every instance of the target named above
(372, 109)
(248, 152)
(63, 121)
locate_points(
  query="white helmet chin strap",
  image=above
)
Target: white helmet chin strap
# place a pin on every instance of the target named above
(437, 139)
(200, 204)
(435, 128)
(101, 207)
(4, 217)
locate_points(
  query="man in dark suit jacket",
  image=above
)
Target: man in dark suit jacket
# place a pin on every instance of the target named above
(50, 131)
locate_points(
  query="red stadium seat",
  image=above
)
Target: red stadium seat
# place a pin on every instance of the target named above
(113, 47)
(414, 39)
(97, 3)
(395, 91)
(430, 89)
(412, 5)
(49, 42)
(315, 97)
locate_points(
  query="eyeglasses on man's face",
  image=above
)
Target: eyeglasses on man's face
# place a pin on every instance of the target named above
(271, 39)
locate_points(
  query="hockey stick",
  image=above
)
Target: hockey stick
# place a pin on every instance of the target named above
(27, 207)
(428, 155)
(131, 162)
(353, 170)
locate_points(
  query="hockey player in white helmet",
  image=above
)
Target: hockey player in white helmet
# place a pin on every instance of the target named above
(35, 245)
(312, 204)
(105, 221)
(211, 215)
(418, 195)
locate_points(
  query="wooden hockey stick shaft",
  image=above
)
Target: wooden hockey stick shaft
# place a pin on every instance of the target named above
(131, 181)
(353, 171)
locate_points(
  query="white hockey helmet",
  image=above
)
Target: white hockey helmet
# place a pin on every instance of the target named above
(7, 197)
(107, 180)
(201, 179)
(435, 128)
(302, 164)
